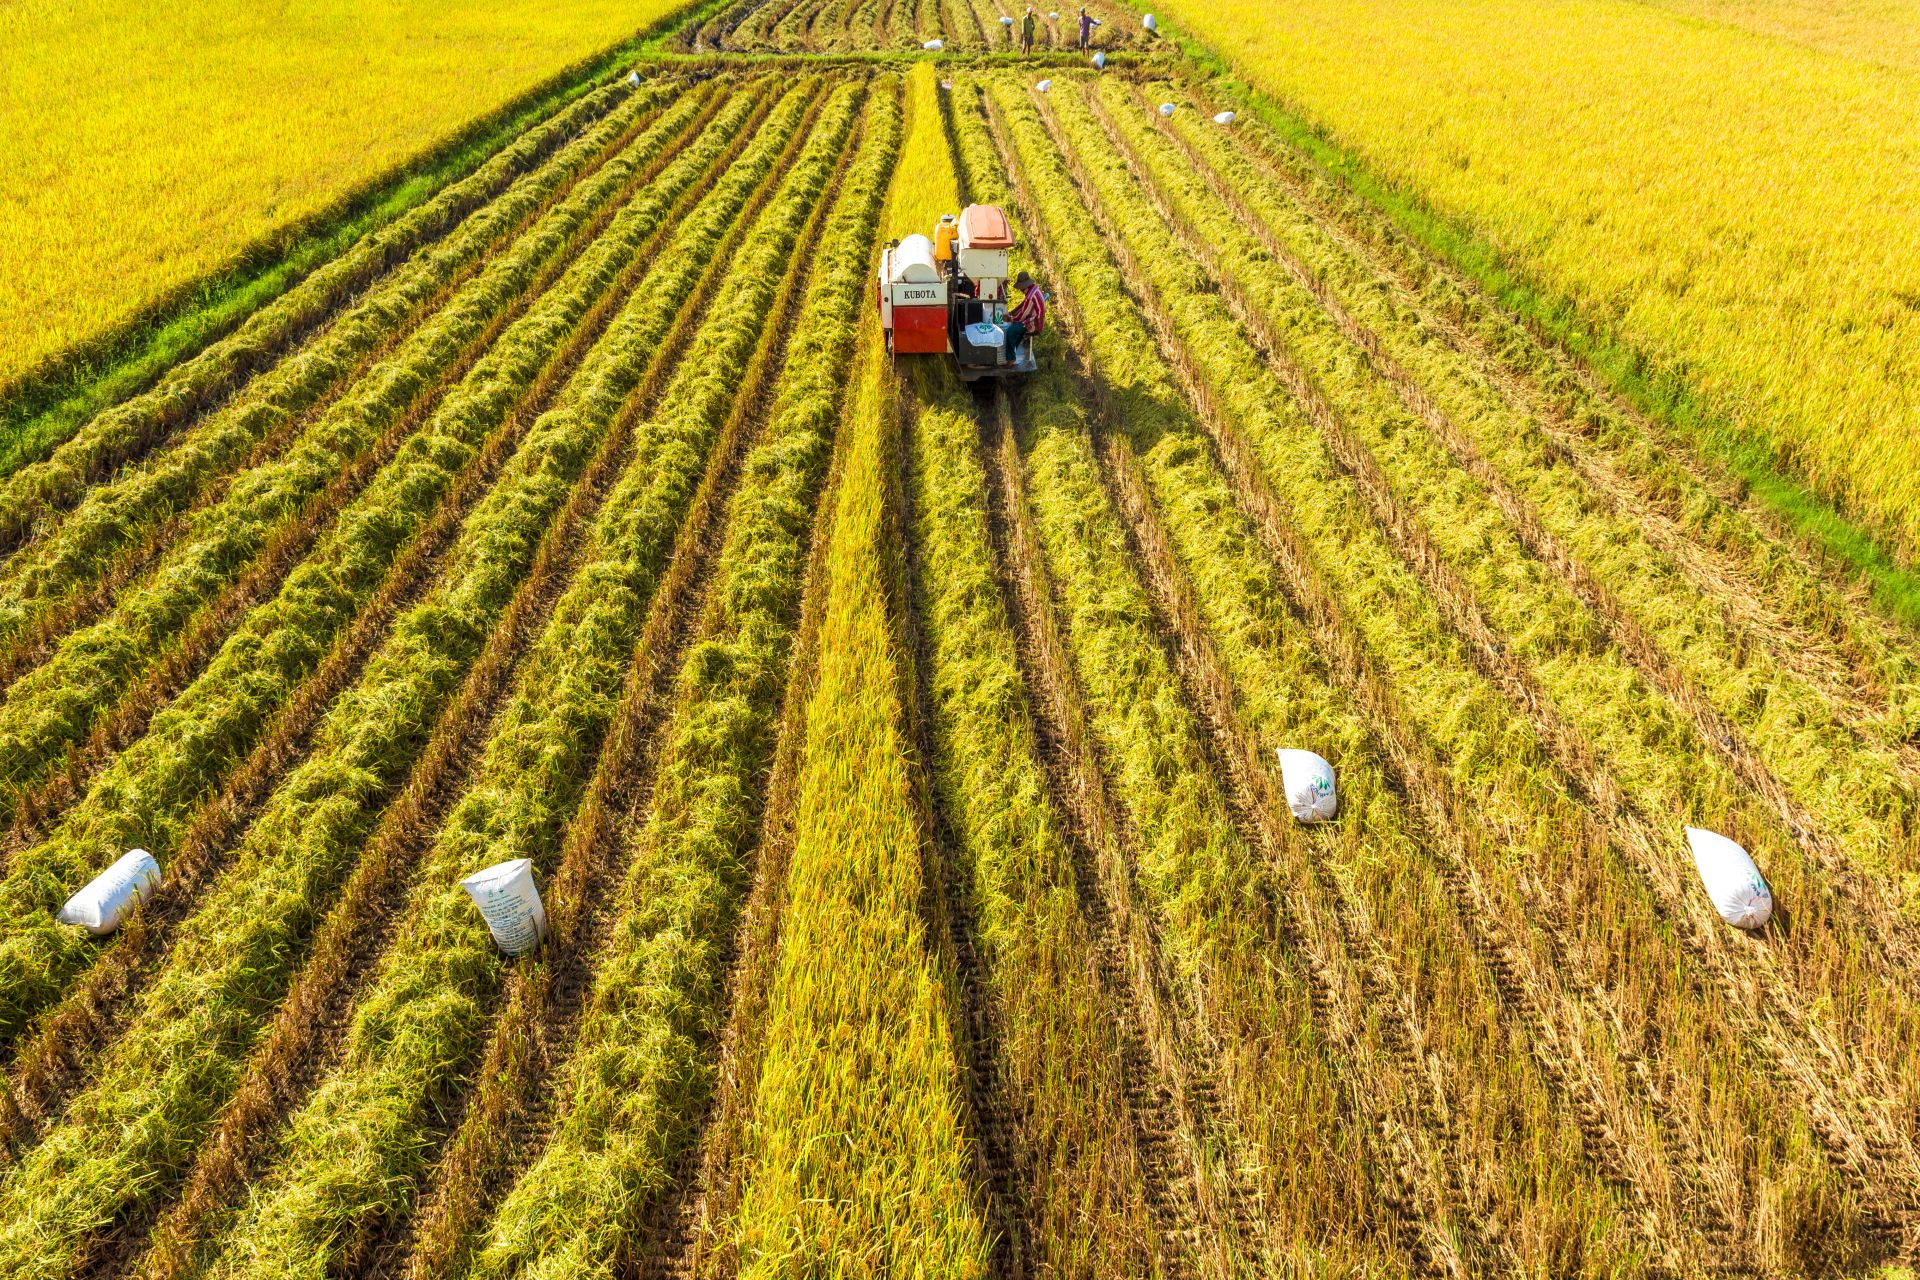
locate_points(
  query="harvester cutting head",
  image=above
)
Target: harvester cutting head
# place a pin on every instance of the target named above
(948, 295)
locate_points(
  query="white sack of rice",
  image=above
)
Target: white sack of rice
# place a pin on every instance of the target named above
(1166, 109)
(1149, 23)
(1044, 85)
(1225, 117)
(934, 46)
(111, 896)
(1738, 891)
(1307, 780)
(507, 898)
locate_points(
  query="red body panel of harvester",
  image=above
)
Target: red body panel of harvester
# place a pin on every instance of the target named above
(919, 330)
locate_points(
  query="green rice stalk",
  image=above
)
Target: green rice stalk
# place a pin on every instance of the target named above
(182, 1053)
(641, 1070)
(354, 1150)
(148, 793)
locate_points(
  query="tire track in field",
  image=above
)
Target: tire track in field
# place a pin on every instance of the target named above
(1420, 1191)
(1554, 1032)
(1003, 1178)
(293, 539)
(1825, 652)
(1890, 939)
(80, 1025)
(316, 1012)
(1199, 1225)
(1846, 1117)
(505, 1122)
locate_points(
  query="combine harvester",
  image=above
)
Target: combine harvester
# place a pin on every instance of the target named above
(948, 295)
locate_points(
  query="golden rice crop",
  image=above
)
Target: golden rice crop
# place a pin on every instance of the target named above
(857, 1160)
(1738, 209)
(141, 146)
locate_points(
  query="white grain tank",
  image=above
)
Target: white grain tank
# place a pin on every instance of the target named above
(913, 298)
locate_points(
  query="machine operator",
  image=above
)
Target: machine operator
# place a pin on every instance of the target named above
(1026, 320)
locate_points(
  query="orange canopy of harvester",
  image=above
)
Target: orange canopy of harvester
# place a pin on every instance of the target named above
(983, 226)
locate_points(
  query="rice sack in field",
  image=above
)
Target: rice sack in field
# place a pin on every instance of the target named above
(1225, 117)
(506, 896)
(1738, 890)
(934, 46)
(1307, 780)
(1149, 23)
(1100, 60)
(1166, 109)
(1044, 85)
(111, 896)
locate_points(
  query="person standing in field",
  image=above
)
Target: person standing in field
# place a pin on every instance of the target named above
(1026, 320)
(1026, 31)
(1087, 24)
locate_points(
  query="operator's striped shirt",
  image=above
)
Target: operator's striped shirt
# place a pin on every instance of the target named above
(1032, 311)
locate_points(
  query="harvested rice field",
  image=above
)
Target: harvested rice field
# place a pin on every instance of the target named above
(896, 759)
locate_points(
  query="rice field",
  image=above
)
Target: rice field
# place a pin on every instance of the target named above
(897, 760)
(144, 147)
(1714, 195)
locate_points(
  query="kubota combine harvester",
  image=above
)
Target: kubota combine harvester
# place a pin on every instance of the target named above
(948, 295)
